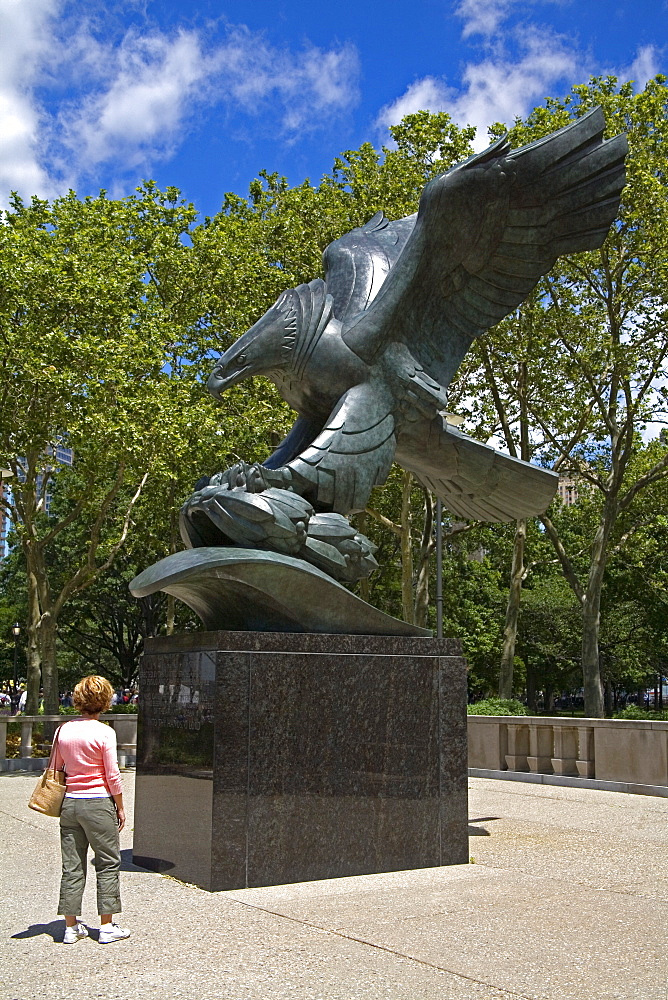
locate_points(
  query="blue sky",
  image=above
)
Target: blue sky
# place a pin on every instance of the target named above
(203, 94)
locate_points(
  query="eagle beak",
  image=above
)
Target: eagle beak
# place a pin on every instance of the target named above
(221, 378)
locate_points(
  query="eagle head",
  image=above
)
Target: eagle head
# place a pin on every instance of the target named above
(266, 348)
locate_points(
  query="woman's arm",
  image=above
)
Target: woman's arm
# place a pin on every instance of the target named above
(113, 775)
(120, 810)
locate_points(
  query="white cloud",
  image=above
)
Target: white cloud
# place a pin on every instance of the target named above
(497, 88)
(24, 44)
(155, 83)
(427, 94)
(643, 68)
(300, 85)
(140, 112)
(129, 102)
(483, 17)
(519, 65)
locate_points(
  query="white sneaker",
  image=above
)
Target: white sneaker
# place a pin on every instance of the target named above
(75, 933)
(112, 932)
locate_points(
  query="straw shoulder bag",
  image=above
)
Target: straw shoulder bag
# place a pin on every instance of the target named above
(47, 798)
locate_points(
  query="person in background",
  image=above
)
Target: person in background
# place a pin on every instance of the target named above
(92, 813)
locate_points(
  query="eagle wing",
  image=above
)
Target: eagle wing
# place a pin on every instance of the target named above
(357, 264)
(485, 233)
(353, 452)
(473, 480)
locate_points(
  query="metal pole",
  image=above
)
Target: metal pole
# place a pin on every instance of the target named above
(16, 653)
(439, 569)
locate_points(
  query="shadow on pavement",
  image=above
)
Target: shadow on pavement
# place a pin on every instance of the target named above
(128, 865)
(479, 831)
(55, 929)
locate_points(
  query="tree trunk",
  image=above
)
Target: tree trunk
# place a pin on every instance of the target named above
(364, 582)
(407, 549)
(47, 645)
(42, 628)
(129, 667)
(548, 698)
(591, 677)
(150, 614)
(591, 621)
(173, 541)
(171, 614)
(33, 661)
(426, 548)
(512, 612)
(531, 688)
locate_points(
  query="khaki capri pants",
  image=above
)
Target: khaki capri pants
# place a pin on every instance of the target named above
(94, 823)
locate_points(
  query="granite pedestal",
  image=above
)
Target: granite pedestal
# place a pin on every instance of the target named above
(267, 758)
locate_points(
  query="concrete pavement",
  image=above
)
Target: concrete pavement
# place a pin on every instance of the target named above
(567, 898)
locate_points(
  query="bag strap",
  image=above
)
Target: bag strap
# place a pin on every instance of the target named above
(54, 745)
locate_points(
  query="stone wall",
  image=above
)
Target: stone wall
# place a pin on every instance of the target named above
(617, 750)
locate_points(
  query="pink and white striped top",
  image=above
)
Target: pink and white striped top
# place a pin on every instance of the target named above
(87, 749)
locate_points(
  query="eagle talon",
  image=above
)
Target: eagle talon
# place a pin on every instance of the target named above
(274, 519)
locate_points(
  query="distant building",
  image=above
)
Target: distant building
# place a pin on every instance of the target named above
(567, 491)
(4, 523)
(64, 456)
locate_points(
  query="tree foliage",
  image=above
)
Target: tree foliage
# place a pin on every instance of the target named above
(583, 361)
(111, 312)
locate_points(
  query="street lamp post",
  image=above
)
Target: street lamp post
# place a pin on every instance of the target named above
(455, 420)
(16, 632)
(4, 474)
(439, 569)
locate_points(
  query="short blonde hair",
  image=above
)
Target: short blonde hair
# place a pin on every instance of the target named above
(93, 694)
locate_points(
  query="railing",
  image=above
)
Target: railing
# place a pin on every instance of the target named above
(125, 727)
(615, 750)
(618, 750)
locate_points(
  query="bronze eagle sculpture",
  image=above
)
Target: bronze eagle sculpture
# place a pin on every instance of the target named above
(365, 356)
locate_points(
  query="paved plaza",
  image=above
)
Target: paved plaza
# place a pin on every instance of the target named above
(567, 899)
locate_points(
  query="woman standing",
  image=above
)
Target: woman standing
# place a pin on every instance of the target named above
(93, 813)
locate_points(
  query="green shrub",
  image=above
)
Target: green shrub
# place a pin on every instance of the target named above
(498, 706)
(118, 709)
(633, 712)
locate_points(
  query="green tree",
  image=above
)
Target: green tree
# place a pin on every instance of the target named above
(86, 339)
(549, 645)
(600, 336)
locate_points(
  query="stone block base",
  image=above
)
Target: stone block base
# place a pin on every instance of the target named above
(267, 758)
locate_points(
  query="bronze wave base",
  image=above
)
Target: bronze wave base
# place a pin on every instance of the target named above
(249, 590)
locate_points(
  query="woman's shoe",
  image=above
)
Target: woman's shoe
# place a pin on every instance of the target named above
(75, 933)
(112, 932)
